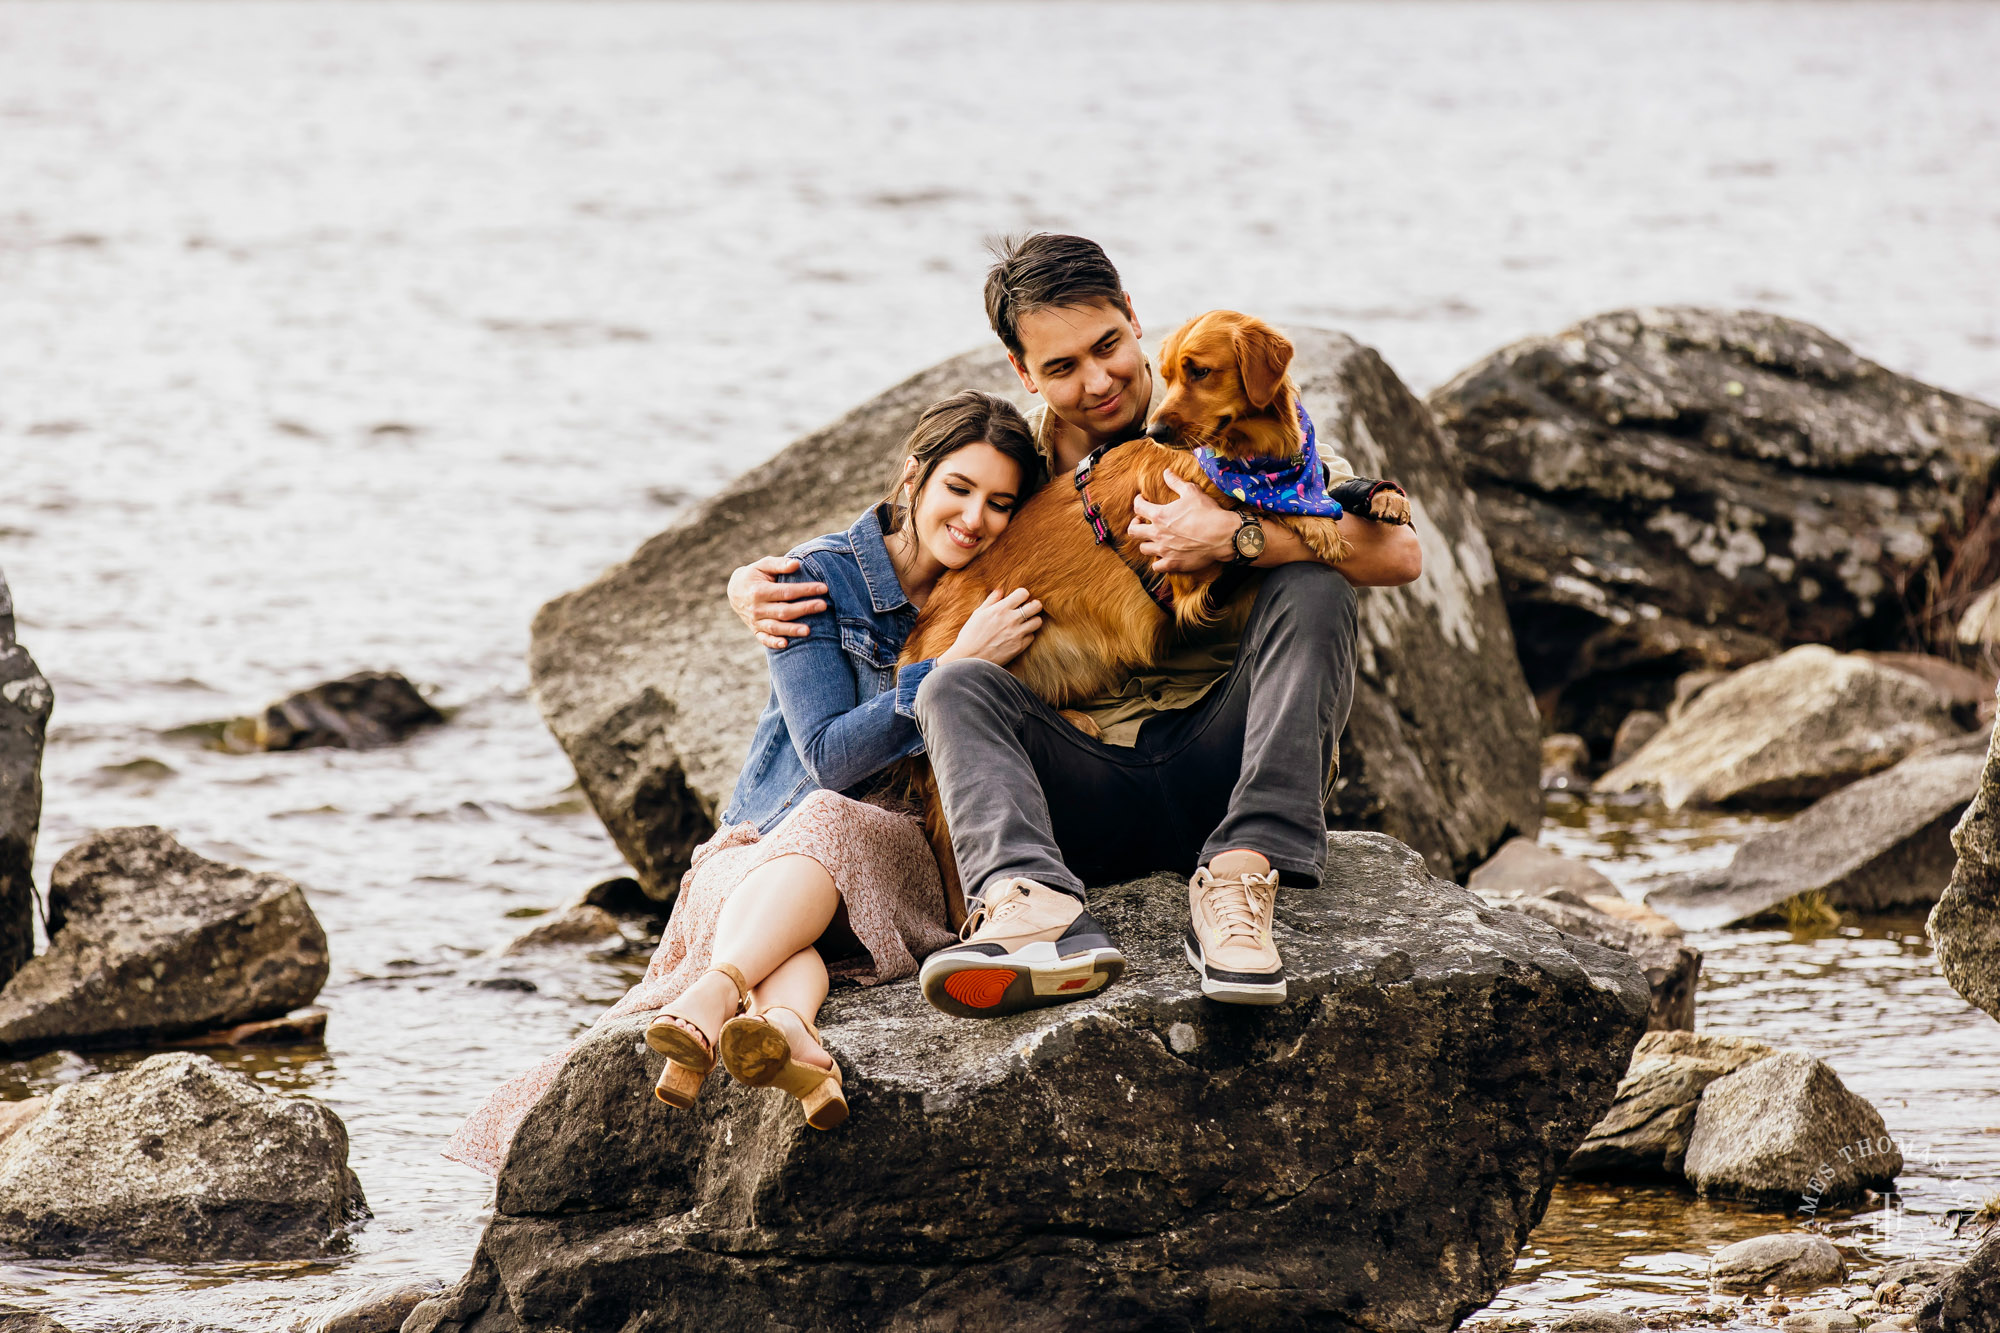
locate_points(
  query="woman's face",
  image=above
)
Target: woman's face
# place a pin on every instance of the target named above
(965, 504)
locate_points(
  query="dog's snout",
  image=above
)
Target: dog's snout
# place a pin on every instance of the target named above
(1161, 432)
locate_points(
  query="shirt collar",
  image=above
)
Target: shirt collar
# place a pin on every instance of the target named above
(878, 571)
(1045, 424)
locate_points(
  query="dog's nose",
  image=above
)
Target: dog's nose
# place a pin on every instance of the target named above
(1160, 432)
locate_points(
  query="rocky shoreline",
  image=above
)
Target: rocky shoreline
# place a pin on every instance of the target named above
(1673, 557)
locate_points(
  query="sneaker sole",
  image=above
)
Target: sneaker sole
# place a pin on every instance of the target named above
(1033, 977)
(1234, 992)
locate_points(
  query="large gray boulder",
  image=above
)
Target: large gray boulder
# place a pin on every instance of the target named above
(653, 688)
(1371, 1154)
(178, 1159)
(1668, 489)
(1791, 729)
(1880, 844)
(1645, 1133)
(1965, 925)
(25, 703)
(1785, 1132)
(148, 941)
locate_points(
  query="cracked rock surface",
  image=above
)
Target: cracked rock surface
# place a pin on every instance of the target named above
(25, 703)
(1369, 1155)
(1672, 488)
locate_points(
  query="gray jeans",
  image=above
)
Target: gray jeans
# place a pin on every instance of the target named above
(1027, 794)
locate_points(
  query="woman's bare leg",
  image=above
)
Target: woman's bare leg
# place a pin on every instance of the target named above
(780, 908)
(799, 985)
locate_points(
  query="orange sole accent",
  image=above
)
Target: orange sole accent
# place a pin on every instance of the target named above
(979, 990)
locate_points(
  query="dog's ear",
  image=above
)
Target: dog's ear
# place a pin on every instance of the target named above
(1262, 356)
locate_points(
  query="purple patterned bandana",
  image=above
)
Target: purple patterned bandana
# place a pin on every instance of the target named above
(1275, 485)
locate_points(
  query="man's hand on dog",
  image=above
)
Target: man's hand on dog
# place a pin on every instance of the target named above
(769, 607)
(1188, 533)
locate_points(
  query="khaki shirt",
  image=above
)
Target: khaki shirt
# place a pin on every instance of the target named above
(1198, 660)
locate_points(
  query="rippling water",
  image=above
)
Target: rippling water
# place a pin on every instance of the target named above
(341, 336)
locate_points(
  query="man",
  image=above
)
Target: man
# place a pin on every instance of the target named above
(1216, 760)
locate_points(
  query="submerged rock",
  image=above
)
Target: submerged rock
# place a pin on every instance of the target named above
(178, 1159)
(579, 924)
(1791, 729)
(1786, 1133)
(1142, 1158)
(149, 941)
(15, 1320)
(364, 711)
(1645, 1133)
(25, 703)
(1882, 843)
(1671, 489)
(1789, 1261)
(1965, 925)
(653, 688)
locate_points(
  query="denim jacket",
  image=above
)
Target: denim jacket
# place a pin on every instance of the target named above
(840, 712)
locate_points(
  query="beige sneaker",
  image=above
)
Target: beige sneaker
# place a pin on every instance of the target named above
(1230, 901)
(1025, 947)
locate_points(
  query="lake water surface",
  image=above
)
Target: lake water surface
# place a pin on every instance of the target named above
(340, 336)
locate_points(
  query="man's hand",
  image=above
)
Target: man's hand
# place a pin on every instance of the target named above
(768, 607)
(1188, 533)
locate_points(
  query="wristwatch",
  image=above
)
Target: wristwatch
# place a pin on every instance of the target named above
(1249, 539)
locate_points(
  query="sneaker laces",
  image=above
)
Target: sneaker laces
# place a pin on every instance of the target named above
(1233, 907)
(1010, 900)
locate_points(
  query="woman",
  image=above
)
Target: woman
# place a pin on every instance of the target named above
(804, 870)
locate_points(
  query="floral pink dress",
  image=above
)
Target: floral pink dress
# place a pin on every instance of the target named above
(880, 862)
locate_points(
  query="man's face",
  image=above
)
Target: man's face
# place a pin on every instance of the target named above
(1086, 363)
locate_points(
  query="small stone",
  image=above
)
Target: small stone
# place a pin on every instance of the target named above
(13, 1319)
(503, 983)
(579, 925)
(1565, 763)
(1893, 1324)
(380, 1308)
(1821, 1321)
(301, 1027)
(1788, 1261)
(1596, 1321)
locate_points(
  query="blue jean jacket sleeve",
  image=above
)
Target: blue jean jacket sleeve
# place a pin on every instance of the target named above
(841, 738)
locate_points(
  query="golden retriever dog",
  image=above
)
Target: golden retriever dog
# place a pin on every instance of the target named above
(1105, 614)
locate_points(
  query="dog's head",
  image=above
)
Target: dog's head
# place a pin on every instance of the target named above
(1221, 370)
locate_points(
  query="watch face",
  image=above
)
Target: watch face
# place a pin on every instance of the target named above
(1250, 540)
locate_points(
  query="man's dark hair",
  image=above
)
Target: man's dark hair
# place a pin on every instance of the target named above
(1043, 271)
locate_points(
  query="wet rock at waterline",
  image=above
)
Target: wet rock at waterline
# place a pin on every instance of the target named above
(1639, 726)
(13, 1320)
(1880, 844)
(365, 711)
(150, 941)
(1784, 1132)
(25, 703)
(1967, 1301)
(1573, 897)
(301, 1027)
(1645, 1133)
(1668, 489)
(581, 924)
(653, 687)
(1791, 729)
(1279, 1166)
(380, 1308)
(178, 1159)
(1788, 1261)
(1965, 925)
(1565, 763)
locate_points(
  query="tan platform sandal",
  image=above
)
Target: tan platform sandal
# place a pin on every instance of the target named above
(690, 1054)
(756, 1052)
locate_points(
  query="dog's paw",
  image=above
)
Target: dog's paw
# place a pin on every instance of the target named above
(1087, 725)
(1389, 507)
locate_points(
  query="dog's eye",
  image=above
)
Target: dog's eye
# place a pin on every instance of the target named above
(1197, 372)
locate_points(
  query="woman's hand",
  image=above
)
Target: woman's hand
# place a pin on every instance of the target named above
(1000, 630)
